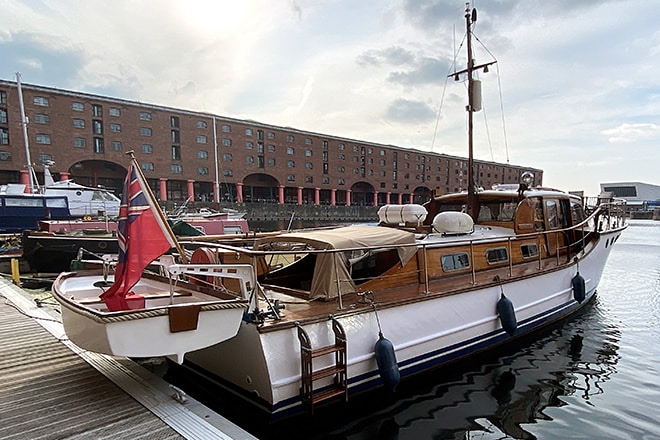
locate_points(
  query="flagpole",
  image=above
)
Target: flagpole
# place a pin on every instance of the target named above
(159, 211)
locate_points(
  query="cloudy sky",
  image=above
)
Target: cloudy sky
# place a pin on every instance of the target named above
(575, 91)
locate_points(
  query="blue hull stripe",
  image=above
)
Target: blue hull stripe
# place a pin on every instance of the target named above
(442, 356)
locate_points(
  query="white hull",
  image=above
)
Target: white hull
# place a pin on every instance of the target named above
(147, 331)
(265, 367)
(81, 201)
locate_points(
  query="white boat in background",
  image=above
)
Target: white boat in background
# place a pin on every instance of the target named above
(84, 201)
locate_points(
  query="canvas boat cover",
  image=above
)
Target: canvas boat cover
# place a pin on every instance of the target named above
(332, 269)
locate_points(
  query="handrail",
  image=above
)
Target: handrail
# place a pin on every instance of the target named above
(242, 272)
(606, 216)
(600, 210)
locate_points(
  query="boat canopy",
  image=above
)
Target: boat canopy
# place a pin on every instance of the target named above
(332, 269)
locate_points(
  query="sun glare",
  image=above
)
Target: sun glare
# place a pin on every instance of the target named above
(215, 15)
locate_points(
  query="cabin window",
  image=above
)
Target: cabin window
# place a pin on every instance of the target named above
(552, 214)
(577, 214)
(10, 201)
(57, 202)
(455, 262)
(530, 250)
(497, 255)
(497, 211)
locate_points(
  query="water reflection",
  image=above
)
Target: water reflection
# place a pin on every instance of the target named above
(503, 394)
(496, 396)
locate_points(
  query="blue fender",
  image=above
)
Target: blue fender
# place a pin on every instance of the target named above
(507, 315)
(579, 288)
(387, 364)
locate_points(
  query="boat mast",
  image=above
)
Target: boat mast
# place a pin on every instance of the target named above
(33, 177)
(474, 105)
(472, 203)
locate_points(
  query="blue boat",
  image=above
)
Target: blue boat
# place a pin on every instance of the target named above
(19, 212)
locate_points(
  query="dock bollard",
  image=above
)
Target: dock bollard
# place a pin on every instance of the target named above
(15, 272)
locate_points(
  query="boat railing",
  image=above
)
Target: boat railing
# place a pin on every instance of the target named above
(563, 244)
(243, 273)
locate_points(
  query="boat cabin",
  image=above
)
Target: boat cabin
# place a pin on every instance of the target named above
(415, 245)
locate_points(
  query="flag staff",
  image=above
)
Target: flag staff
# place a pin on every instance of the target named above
(154, 204)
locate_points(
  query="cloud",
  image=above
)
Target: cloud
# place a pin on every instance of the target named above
(428, 71)
(41, 58)
(627, 133)
(394, 55)
(406, 111)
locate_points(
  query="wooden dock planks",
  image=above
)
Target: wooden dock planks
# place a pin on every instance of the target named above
(50, 390)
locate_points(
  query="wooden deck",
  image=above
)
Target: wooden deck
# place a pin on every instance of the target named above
(50, 389)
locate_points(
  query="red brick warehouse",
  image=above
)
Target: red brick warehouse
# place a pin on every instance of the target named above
(214, 158)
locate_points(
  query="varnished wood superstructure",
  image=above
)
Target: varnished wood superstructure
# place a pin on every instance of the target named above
(527, 241)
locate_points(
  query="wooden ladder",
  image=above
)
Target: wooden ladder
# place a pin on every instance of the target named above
(309, 396)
